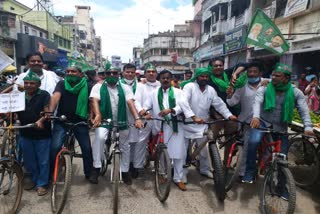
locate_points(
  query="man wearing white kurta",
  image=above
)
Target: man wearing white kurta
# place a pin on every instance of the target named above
(118, 93)
(174, 139)
(201, 97)
(129, 74)
(143, 92)
(48, 79)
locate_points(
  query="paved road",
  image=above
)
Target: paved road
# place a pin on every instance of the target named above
(140, 198)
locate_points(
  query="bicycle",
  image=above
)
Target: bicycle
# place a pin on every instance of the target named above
(277, 176)
(303, 157)
(219, 171)
(11, 173)
(62, 172)
(235, 155)
(113, 157)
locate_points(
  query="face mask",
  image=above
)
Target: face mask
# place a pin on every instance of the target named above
(73, 79)
(111, 80)
(253, 80)
(129, 82)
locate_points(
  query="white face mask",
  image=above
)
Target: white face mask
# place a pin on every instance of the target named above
(129, 82)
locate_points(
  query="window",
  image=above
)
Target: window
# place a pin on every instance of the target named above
(164, 52)
(41, 34)
(206, 25)
(11, 8)
(26, 29)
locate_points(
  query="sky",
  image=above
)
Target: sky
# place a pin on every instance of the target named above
(123, 24)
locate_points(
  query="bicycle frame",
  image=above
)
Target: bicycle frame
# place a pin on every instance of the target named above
(115, 136)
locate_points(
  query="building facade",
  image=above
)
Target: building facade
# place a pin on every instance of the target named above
(136, 57)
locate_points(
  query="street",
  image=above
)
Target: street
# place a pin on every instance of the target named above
(86, 198)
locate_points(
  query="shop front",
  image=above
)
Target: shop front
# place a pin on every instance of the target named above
(205, 53)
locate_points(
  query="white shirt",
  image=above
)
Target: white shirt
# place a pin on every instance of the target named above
(143, 92)
(114, 96)
(49, 80)
(200, 103)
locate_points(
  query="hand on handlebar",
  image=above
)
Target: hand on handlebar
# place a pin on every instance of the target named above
(233, 118)
(96, 121)
(255, 123)
(197, 120)
(164, 112)
(139, 124)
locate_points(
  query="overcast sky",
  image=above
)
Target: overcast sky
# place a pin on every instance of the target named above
(123, 24)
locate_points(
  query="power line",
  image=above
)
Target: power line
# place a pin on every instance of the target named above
(29, 10)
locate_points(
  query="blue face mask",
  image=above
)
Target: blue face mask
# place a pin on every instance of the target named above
(253, 80)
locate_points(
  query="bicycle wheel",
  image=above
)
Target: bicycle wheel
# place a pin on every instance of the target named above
(10, 187)
(218, 176)
(60, 187)
(4, 144)
(162, 165)
(278, 182)
(232, 171)
(303, 162)
(116, 181)
(104, 160)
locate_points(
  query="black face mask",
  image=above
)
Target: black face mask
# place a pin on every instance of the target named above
(202, 82)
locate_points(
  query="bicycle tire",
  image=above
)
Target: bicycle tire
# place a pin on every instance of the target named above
(7, 169)
(303, 162)
(65, 174)
(104, 160)
(116, 182)
(3, 148)
(232, 172)
(270, 188)
(218, 176)
(163, 176)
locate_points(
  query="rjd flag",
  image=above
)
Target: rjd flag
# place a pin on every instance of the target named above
(265, 34)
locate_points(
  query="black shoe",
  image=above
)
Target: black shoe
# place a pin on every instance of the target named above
(94, 176)
(126, 178)
(134, 173)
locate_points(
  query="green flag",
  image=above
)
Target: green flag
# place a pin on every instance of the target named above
(265, 34)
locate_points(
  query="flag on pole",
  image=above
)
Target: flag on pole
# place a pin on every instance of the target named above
(265, 34)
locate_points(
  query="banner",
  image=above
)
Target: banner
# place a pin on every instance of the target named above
(12, 102)
(295, 6)
(265, 34)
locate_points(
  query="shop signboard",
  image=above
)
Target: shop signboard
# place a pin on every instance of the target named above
(295, 6)
(233, 39)
(208, 52)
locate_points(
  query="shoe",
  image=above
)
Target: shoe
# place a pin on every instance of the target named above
(126, 178)
(134, 173)
(42, 191)
(247, 178)
(181, 186)
(283, 193)
(207, 174)
(28, 184)
(94, 176)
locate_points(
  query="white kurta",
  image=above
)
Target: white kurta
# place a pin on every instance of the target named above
(174, 141)
(200, 103)
(49, 80)
(133, 131)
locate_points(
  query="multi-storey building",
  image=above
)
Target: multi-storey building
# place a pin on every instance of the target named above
(136, 56)
(171, 49)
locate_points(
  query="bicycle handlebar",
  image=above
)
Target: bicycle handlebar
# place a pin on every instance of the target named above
(64, 120)
(30, 125)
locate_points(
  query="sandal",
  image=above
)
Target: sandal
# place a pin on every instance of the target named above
(42, 191)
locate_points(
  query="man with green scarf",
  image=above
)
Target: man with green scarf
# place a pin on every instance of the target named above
(223, 81)
(166, 103)
(273, 106)
(71, 97)
(201, 97)
(114, 100)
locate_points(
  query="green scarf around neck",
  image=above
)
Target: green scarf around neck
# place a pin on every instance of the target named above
(172, 104)
(81, 89)
(288, 104)
(106, 109)
(134, 87)
(224, 84)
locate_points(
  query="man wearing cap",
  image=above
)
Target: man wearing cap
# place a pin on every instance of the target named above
(48, 78)
(114, 100)
(35, 142)
(71, 97)
(274, 106)
(201, 97)
(143, 92)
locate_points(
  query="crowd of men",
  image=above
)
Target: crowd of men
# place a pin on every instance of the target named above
(212, 92)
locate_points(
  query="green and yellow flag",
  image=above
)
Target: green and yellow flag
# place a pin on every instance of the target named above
(265, 34)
